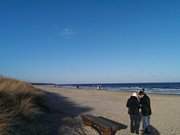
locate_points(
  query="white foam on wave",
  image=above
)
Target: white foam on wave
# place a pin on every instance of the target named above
(148, 90)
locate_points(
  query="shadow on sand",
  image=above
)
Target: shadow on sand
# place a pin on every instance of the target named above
(64, 106)
(60, 107)
(153, 130)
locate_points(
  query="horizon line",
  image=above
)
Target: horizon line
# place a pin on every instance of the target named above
(46, 83)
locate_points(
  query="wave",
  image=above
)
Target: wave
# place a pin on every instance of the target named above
(147, 90)
(160, 88)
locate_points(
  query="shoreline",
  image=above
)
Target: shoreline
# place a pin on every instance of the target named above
(110, 90)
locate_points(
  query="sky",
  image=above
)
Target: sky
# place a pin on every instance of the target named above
(90, 41)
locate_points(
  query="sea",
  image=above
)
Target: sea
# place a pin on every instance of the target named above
(158, 88)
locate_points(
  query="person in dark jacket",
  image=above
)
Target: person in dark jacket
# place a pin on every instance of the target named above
(145, 110)
(133, 111)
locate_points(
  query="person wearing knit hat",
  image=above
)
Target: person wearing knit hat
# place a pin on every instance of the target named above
(133, 111)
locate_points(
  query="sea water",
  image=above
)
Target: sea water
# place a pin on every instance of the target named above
(160, 88)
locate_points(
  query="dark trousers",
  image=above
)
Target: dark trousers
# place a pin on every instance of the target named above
(134, 123)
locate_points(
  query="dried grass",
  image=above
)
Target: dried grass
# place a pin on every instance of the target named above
(21, 107)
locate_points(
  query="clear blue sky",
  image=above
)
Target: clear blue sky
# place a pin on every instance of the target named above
(80, 41)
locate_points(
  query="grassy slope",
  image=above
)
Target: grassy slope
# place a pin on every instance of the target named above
(21, 108)
(25, 110)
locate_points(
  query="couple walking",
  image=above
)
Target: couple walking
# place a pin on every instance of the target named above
(139, 109)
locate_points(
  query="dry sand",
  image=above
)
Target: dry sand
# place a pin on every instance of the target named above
(165, 108)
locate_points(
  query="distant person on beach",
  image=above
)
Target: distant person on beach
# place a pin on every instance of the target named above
(99, 87)
(133, 111)
(145, 105)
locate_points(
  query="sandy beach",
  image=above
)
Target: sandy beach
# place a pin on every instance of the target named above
(165, 117)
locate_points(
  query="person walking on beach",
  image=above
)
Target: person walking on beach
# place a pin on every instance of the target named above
(133, 111)
(145, 105)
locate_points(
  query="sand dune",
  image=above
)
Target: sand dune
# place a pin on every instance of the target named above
(26, 110)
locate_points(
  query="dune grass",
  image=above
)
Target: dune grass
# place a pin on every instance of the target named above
(27, 110)
(21, 108)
